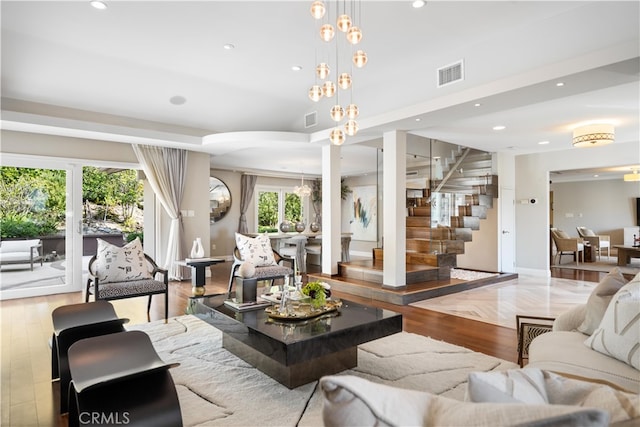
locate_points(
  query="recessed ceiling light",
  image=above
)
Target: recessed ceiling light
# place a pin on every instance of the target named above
(417, 4)
(99, 4)
(229, 46)
(499, 127)
(177, 100)
(560, 84)
(596, 175)
(543, 142)
(418, 119)
(296, 67)
(477, 104)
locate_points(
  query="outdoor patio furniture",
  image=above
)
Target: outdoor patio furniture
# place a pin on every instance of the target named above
(20, 252)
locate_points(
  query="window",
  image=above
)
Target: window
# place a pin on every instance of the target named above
(274, 205)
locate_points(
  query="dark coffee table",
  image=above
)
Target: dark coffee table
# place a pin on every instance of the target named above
(299, 351)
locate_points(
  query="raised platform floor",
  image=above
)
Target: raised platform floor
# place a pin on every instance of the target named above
(364, 278)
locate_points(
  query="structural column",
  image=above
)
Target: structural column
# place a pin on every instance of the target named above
(331, 211)
(394, 210)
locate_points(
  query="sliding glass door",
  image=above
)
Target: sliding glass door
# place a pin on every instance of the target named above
(42, 200)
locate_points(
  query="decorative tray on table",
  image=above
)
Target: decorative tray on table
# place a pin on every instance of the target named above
(303, 310)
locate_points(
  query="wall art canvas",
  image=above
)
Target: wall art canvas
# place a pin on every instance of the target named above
(363, 221)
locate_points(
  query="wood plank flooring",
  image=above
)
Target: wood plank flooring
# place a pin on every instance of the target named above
(29, 398)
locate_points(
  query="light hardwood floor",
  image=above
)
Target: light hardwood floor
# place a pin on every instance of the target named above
(29, 398)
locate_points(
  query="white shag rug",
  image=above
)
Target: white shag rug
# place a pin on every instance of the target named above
(217, 388)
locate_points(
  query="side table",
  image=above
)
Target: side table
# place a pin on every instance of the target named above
(199, 266)
(589, 253)
(529, 327)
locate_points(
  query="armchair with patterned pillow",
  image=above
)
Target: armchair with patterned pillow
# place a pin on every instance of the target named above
(126, 272)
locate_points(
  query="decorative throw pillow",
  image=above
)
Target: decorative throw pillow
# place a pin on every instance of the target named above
(535, 386)
(256, 250)
(599, 300)
(511, 386)
(350, 400)
(618, 335)
(563, 234)
(121, 264)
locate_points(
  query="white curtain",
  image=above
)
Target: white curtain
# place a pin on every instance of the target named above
(165, 169)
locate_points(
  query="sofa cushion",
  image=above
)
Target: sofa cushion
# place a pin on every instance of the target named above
(599, 300)
(7, 246)
(619, 332)
(351, 400)
(564, 352)
(257, 250)
(121, 264)
(535, 386)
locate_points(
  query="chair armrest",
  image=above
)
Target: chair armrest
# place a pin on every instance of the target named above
(568, 244)
(164, 272)
(570, 319)
(34, 252)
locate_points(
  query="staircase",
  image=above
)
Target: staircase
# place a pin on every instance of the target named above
(438, 222)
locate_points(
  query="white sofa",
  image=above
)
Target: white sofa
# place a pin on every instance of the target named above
(20, 252)
(564, 350)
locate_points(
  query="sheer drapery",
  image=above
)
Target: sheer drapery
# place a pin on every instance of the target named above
(165, 169)
(247, 184)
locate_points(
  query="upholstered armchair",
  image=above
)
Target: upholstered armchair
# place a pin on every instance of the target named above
(599, 242)
(567, 245)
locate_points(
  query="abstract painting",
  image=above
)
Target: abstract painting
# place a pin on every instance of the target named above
(364, 213)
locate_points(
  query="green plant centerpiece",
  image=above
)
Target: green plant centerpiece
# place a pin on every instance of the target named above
(317, 293)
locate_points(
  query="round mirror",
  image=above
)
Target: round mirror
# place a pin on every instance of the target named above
(219, 199)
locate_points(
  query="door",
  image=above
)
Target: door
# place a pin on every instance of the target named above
(506, 261)
(61, 269)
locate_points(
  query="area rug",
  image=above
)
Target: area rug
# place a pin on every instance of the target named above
(605, 265)
(499, 303)
(217, 388)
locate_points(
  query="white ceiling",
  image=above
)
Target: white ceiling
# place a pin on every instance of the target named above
(70, 69)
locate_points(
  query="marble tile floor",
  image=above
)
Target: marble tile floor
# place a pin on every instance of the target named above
(499, 303)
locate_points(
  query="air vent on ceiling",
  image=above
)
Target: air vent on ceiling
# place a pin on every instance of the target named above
(451, 73)
(310, 119)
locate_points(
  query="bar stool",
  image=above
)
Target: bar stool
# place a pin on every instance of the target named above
(72, 323)
(120, 379)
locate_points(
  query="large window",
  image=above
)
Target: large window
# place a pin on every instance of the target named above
(275, 205)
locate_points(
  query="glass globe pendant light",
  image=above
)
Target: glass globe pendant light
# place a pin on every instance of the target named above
(329, 89)
(327, 32)
(315, 93)
(352, 111)
(344, 81)
(323, 70)
(344, 23)
(336, 136)
(351, 127)
(354, 35)
(359, 58)
(337, 113)
(317, 9)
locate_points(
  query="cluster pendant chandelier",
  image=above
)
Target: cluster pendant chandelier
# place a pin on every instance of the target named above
(334, 74)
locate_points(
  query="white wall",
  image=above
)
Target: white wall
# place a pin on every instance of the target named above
(532, 180)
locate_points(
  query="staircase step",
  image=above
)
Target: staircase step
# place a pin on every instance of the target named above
(432, 246)
(479, 211)
(419, 210)
(439, 233)
(464, 234)
(374, 273)
(419, 221)
(416, 258)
